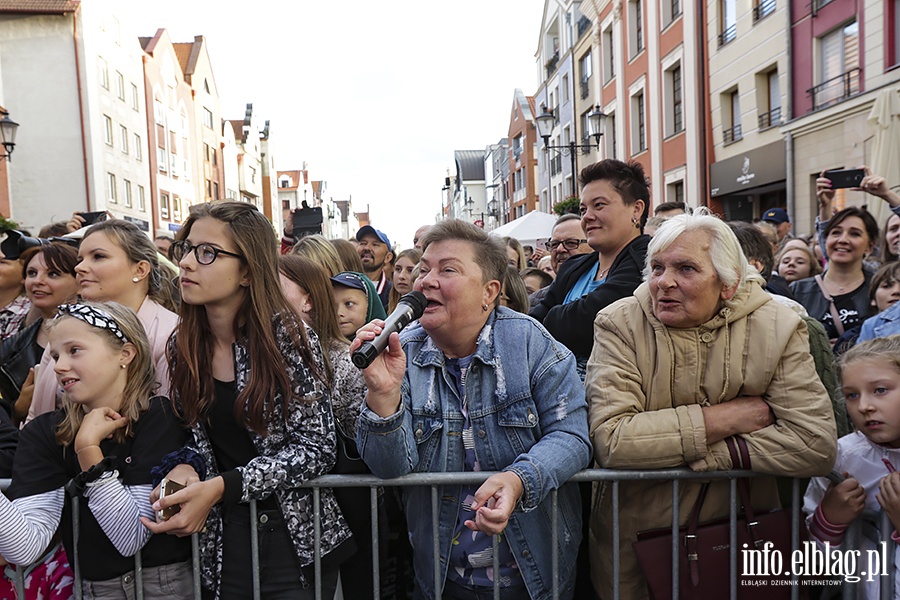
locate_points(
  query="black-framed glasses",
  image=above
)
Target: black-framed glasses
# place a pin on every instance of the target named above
(571, 244)
(206, 254)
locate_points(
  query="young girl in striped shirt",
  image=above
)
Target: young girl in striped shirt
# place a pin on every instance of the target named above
(98, 449)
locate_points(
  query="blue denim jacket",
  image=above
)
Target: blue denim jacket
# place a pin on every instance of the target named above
(528, 411)
(884, 324)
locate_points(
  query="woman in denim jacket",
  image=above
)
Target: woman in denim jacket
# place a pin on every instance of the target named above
(478, 387)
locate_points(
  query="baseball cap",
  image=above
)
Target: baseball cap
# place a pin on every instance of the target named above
(368, 229)
(350, 280)
(777, 216)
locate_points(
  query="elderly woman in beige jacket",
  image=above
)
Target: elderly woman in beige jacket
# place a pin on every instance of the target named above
(700, 353)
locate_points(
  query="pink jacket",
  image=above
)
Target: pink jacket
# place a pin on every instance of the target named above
(159, 322)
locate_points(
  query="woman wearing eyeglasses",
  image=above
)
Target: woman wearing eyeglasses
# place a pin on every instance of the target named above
(117, 262)
(614, 201)
(250, 381)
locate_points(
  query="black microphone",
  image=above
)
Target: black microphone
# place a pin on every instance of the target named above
(410, 308)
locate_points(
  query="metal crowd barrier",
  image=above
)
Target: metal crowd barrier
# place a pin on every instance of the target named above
(875, 526)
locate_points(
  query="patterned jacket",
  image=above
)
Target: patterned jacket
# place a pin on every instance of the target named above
(299, 447)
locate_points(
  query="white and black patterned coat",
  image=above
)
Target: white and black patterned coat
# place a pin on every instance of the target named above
(298, 448)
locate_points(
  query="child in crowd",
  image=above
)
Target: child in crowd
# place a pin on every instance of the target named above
(870, 378)
(356, 301)
(402, 280)
(99, 448)
(253, 386)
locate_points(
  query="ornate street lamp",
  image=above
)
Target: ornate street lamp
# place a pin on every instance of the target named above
(545, 124)
(8, 129)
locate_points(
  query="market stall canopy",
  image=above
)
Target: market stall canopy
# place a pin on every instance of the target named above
(530, 229)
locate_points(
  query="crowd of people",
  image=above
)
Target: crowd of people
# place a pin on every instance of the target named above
(160, 385)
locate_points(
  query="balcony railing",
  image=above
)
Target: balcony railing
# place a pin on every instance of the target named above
(763, 9)
(835, 89)
(583, 25)
(727, 35)
(732, 135)
(555, 165)
(770, 119)
(585, 87)
(551, 64)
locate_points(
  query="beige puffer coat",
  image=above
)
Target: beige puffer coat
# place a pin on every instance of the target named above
(647, 384)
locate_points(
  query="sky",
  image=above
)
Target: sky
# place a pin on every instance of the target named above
(374, 96)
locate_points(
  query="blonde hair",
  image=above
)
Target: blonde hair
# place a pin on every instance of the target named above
(140, 372)
(884, 348)
(320, 250)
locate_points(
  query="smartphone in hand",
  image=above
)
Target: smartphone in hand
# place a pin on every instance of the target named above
(166, 488)
(93, 217)
(845, 178)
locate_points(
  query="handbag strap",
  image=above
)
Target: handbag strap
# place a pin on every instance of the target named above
(740, 456)
(690, 538)
(831, 307)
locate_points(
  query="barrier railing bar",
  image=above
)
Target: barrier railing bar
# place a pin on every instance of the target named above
(554, 566)
(138, 576)
(676, 510)
(254, 549)
(615, 532)
(732, 539)
(317, 543)
(195, 564)
(495, 547)
(376, 567)
(436, 546)
(75, 562)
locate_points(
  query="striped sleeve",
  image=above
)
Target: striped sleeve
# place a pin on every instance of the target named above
(118, 509)
(28, 524)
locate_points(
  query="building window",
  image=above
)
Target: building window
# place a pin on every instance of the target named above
(138, 147)
(104, 73)
(731, 118)
(610, 135)
(215, 190)
(176, 206)
(162, 160)
(638, 124)
(674, 100)
(762, 9)
(107, 130)
(586, 66)
(252, 175)
(207, 150)
(142, 199)
(159, 112)
(120, 86)
(671, 11)
(635, 27)
(770, 103)
(164, 205)
(727, 21)
(208, 189)
(676, 192)
(127, 185)
(565, 88)
(123, 138)
(111, 188)
(208, 118)
(838, 66)
(609, 58)
(135, 98)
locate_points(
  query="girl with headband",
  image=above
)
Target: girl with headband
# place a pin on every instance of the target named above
(98, 450)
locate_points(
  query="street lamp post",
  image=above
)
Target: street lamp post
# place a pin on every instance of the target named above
(547, 120)
(8, 129)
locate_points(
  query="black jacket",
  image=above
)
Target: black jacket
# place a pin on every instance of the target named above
(17, 354)
(573, 323)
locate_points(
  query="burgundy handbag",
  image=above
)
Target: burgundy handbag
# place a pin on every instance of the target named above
(704, 562)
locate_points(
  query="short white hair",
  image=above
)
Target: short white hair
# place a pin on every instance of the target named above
(725, 251)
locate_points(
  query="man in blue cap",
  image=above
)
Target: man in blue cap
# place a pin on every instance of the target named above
(374, 250)
(779, 218)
